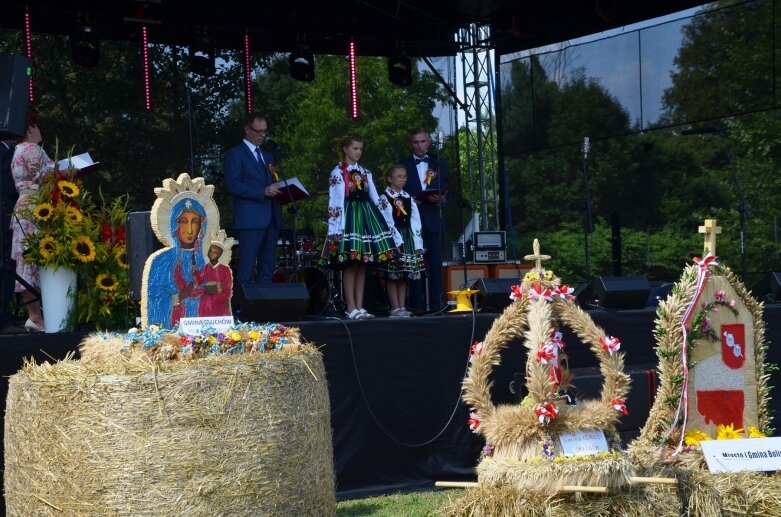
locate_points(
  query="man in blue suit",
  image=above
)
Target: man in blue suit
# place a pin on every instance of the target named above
(427, 172)
(257, 217)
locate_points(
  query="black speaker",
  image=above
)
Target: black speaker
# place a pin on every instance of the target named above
(14, 83)
(622, 292)
(775, 286)
(141, 242)
(494, 293)
(273, 302)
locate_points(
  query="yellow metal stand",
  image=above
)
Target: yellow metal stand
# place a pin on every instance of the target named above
(462, 300)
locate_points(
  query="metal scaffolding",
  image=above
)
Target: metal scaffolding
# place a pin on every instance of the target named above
(480, 184)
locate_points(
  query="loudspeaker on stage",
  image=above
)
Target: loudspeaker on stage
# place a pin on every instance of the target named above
(494, 293)
(13, 94)
(273, 302)
(141, 242)
(622, 292)
(454, 275)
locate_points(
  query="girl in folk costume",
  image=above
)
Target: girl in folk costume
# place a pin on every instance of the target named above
(358, 233)
(398, 205)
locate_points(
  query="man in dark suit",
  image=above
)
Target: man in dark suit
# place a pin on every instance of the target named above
(257, 217)
(427, 172)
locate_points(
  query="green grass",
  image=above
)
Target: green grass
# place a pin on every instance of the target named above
(416, 504)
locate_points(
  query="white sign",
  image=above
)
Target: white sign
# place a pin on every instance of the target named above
(583, 443)
(756, 454)
(194, 326)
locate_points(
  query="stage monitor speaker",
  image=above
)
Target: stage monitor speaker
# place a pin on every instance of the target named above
(273, 302)
(453, 276)
(622, 292)
(494, 293)
(141, 242)
(775, 286)
(14, 83)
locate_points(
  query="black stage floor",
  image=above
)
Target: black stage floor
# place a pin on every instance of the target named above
(395, 385)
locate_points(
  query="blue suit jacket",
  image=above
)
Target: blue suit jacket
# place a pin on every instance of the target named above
(246, 179)
(429, 212)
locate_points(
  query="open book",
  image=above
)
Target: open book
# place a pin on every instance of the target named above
(290, 190)
(82, 163)
(424, 196)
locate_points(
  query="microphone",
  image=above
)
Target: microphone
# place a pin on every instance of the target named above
(586, 147)
(702, 131)
(272, 145)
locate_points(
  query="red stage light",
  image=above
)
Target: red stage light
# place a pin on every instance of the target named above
(353, 86)
(28, 41)
(247, 74)
(147, 89)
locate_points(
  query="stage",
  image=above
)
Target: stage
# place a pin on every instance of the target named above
(395, 386)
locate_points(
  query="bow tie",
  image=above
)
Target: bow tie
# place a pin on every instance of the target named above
(419, 160)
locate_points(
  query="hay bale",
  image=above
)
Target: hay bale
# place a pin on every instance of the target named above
(237, 435)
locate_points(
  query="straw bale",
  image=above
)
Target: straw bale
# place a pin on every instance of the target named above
(611, 471)
(238, 435)
(506, 501)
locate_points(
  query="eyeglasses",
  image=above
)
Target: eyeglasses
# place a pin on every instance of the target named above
(258, 131)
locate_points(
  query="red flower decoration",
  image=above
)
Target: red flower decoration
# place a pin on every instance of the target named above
(620, 406)
(545, 354)
(611, 344)
(538, 292)
(564, 292)
(476, 349)
(705, 263)
(473, 422)
(546, 412)
(515, 292)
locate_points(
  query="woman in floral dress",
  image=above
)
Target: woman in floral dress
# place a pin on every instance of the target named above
(29, 166)
(358, 234)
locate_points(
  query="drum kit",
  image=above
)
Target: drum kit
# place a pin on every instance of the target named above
(298, 260)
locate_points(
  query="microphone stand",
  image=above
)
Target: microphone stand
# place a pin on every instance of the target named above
(743, 209)
(587, 223)
(463, 204)
(292, 209)
(441, 216)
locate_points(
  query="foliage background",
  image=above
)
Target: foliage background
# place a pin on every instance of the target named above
(657, 185)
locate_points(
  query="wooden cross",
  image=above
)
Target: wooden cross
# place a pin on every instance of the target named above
(536, 257)
(711, 231)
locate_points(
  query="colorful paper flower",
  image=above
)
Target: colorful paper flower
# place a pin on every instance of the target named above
(611, 344)
(474, 422)
(546, 353)
(564, 292)
(620, 406)
(539, 292)
(515, 292)
(705, 263)
(475, 349)
(546, 412)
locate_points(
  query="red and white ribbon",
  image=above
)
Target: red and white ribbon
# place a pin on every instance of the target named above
(546, 412)
(611, 344)
(703, 274)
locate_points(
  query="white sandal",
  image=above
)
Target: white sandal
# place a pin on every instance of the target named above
(354, 314)
(365, 315)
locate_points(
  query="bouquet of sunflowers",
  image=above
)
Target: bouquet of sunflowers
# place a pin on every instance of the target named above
(72, 232)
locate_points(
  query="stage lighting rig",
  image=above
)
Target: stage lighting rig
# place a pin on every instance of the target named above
(202, 56)
(400, 71)
(302, 65)
(85, 46)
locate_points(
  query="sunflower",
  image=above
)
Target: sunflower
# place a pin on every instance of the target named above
(68, 189)
(48, 247)
(695, 436)
(43, 211)
(120, 254)
(83, 248)
(728, 432)
(107, 282)
(73, 214)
